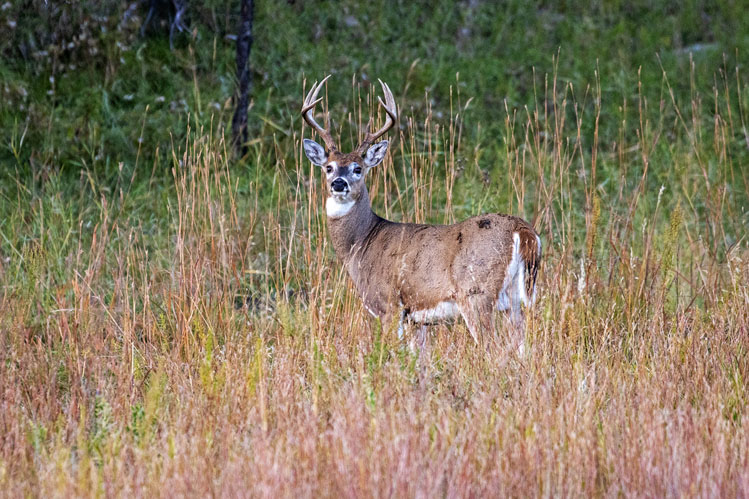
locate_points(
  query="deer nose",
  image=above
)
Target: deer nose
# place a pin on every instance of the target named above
(339, 185)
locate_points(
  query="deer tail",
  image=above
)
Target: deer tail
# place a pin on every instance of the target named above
(530, 252)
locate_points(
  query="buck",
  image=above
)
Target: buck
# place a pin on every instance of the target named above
(419, 273)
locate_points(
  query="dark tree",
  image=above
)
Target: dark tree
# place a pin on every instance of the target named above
(244, 45)
(174, 10)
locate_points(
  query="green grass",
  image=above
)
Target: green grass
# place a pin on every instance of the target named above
(173, 319)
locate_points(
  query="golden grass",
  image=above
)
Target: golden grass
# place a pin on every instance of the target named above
(141, 375)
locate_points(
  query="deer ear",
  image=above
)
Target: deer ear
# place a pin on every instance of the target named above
(315, 152)
(376, 154)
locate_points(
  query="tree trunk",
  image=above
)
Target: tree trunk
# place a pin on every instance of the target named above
(244, 45)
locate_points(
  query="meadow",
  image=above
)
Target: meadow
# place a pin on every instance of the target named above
(173, 321)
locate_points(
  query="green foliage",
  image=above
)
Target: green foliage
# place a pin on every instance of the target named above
(103, 425)
(171, 313)
(135, 93)
(145, 415)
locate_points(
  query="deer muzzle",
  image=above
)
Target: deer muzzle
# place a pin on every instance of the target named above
(339, 185)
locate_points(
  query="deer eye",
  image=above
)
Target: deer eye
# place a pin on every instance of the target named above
(357, 170)
(329, 169)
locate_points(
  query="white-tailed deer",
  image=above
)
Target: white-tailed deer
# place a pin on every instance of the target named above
(416, 272)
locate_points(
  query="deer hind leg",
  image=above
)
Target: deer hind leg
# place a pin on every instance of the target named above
(518, 289)
(519, 300)
(478, 313)
(513, 298)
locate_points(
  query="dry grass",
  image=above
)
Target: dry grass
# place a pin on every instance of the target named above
(137, 373)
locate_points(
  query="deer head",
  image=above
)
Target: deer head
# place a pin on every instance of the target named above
(345, 172)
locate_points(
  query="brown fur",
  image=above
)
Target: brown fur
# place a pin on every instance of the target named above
(409, 267)
(415, 269)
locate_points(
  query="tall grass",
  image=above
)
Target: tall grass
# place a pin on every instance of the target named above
(221, 350)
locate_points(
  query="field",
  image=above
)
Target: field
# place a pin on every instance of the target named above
(174, 322)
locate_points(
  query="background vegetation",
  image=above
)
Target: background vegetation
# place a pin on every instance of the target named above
(173, 320)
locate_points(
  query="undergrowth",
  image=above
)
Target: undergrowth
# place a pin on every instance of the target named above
(173, 320)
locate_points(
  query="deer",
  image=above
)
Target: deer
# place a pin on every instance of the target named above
(419, 273)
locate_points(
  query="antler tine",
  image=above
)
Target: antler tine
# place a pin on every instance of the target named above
(310, 101)
(392, 115)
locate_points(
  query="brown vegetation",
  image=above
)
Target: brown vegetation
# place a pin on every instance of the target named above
(236, 360)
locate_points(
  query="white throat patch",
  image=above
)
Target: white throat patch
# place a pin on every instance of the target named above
(336, 209)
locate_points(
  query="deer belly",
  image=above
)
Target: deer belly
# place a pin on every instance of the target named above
(443, 310)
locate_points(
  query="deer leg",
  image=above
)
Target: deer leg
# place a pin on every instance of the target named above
(393, 321)
(516, 315)
(402, 326)
(419, 339)
(478, 313)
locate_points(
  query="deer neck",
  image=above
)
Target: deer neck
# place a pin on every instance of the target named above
(349, 226)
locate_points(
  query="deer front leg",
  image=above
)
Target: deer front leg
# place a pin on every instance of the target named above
(422, 336)
(393, 320)
(418, 335)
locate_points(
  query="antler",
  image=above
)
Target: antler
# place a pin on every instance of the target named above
(307, 112)
(392, 115)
